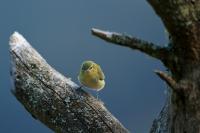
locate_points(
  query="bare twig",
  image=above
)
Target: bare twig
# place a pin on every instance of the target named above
(133, 43)
(168, 79)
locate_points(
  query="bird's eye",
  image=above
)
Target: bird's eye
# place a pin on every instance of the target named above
(90, 68)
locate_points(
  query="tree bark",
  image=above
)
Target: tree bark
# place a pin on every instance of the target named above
(54, 99)
(181, 113)
(42, 90)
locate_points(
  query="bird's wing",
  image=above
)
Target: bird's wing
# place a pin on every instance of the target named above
(100, 73)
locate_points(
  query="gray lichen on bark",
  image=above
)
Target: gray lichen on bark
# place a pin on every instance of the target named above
(54, 99)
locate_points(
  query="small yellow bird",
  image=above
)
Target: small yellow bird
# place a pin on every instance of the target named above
(91, 76)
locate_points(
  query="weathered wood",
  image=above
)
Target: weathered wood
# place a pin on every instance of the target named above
(182, 20)
(168, 79)
(54, 99)
(181, 114)
(146, 47)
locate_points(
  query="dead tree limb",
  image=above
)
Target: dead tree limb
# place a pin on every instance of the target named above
(181, 113)
(168, 79)
(148, 48)
(54, 99)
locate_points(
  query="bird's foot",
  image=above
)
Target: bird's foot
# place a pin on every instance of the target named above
(80, 87)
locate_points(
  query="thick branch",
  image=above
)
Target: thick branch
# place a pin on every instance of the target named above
(181, 19)
(53, 98)
(133, 43)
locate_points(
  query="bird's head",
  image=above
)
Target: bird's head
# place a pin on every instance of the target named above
(86, 65)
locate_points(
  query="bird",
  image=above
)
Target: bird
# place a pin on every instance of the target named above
(91, 76)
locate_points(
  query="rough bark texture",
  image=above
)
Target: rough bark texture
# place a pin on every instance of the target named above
(181, 114)
(182, 20)
(54, 99)
(44, 90)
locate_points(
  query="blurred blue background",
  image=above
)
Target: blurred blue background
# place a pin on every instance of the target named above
(60, 31)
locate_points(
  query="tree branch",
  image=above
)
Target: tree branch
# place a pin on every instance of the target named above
(133, 43)
(181, 19)
(168, 79)
(54, 99)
